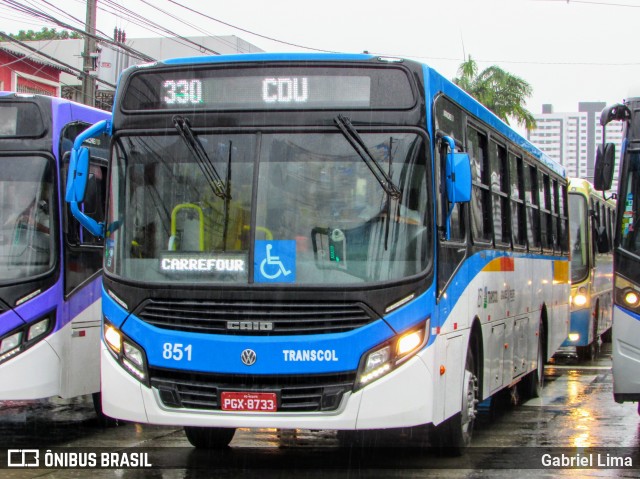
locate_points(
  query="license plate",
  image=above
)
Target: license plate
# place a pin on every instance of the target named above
(248, 401)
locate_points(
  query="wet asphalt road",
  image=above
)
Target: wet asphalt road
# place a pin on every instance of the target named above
(575, 417)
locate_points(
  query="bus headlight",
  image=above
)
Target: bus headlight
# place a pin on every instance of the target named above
(386, 357)
(38, 329)
(22, 338)
(626, 294)
(112, 337)
(573, 337)
(581, 297)
(126, 352)
(10, 342)
(580, 300)
(631, 298)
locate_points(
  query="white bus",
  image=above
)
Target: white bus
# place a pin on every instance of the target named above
(591, 227)
(626, 282)
(324, 241)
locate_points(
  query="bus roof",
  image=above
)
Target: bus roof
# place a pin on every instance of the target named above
(436, 82)
(586, 187)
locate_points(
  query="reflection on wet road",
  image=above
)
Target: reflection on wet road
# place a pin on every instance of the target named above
(576, 411)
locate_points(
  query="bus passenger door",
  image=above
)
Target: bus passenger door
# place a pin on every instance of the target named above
(520, 346)
(449, 121)
(83, 255)
(495, 356)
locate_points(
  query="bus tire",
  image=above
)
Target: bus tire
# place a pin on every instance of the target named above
(103, 419)
(209, 437)
(454, 435)
(532, 384)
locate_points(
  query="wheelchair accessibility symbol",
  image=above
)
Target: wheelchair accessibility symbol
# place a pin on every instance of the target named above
(275, 261)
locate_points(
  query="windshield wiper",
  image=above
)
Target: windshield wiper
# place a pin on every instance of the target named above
(199, 153)
(356, 141)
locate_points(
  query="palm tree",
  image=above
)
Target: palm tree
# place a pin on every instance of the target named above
(501, 92)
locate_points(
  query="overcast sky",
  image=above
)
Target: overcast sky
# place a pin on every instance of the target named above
(583, 50)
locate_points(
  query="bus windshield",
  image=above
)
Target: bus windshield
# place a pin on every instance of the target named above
(27, 246)
(309, 195)
(578, 223)
(630, 194)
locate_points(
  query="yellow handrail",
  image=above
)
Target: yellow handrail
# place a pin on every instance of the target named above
(182, 206)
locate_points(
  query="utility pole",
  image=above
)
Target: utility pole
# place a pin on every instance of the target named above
(90, 56)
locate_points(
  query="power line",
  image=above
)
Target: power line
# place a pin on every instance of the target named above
(71, 68)
(606, 4)
(191, 25)
(249, 31)
(50, 18)
(163, 29)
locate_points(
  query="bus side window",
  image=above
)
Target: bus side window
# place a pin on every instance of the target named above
(545, 211)
(83, 251)
(610, 226)
(518, 216)
(481, 226)
(500, 195)
(533, 213)
(563, 218)
(449, 120)
(555, 213)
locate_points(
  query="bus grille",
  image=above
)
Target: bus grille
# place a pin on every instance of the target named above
(308, 393)
(256, 318)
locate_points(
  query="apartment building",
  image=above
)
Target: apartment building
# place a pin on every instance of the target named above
(571, 138)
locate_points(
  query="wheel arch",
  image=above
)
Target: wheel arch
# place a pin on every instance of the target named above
(476, 347)
(544, 319)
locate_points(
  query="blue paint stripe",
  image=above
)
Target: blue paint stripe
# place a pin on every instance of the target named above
(630, 313)
(276, 354)
(581, 324)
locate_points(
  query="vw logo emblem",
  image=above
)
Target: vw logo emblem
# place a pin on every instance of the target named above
(248, 357)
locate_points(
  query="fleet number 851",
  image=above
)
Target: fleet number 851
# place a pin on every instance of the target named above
(176, 351)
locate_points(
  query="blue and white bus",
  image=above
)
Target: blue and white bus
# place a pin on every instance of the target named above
(591, 228)
(333, 241)
(50, 287)
(626, 262)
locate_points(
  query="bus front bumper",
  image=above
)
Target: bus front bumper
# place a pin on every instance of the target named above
(33, 374)
(403, 398)
(626, 356)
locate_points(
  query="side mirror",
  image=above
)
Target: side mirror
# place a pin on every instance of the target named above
(616, 112)
(457, 180)
(79, 175)
(458, 175)
(603, 172)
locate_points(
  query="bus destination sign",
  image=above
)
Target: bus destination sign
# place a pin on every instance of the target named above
(245, 89)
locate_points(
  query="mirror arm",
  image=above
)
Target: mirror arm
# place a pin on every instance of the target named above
(91, 225)
(447, 232)
(103, 126)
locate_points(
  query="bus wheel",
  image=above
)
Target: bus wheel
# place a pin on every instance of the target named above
(587, 353)
(452, 436)
(103, 419)
(532, 384)
(209, 437)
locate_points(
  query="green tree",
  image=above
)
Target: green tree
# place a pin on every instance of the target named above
(501, 92)
(44, 34)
